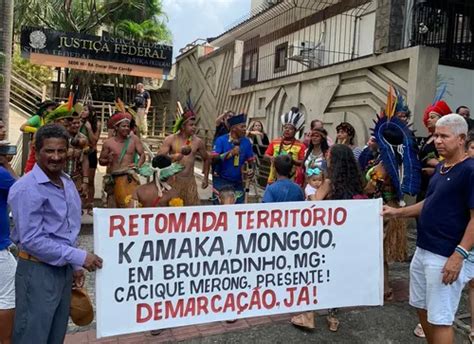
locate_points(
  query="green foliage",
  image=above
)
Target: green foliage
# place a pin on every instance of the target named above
(69, 15)
(30, 71)
(85, 16)
(149, 31)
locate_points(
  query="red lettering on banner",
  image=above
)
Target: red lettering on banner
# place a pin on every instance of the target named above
(250, 219)
(262, 219)
(319, 218)
(177, 225)
(241, 306)
(147, 218)
(303, 297)
(239, 215)
(202, 305)
(342, 213)
(141, 318)
(190, 307)
(133, 225)
(289, 302)
(276, 216)
(161, 223)
(195, 223)
(158, 311)
(117, 226)
(171, 312)
(294, 221)
(229, 304)
(214, 300)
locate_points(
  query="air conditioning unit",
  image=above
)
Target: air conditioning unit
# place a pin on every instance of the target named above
(302, 49)
(310, 54)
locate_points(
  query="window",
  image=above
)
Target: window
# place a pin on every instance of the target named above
(250, 62)
(250, 68)
(281, 53)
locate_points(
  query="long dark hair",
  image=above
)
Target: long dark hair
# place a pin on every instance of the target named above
(344, 173)
(324, 143)
(92, 118)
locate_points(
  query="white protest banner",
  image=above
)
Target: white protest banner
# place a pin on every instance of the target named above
(169, 267)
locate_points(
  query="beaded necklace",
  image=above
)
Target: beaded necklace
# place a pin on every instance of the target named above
(187, 142)
(281, 145)
(445, 169)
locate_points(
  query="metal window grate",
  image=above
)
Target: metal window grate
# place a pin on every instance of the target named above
(447, 25)
(316, 34)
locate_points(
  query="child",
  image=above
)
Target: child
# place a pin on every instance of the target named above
(314, 180)
(283, 189)
(227, 195)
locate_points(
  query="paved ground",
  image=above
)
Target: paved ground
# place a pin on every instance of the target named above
(392, 323)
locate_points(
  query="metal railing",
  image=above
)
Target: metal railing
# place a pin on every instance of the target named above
(26, 94)
(307, 36)
(447, 25)
(159, 119)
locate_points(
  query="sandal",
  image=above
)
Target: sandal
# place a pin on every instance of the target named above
(388, 295)
(471, 337)
(418, 331)
(304, 320)
(333, 323)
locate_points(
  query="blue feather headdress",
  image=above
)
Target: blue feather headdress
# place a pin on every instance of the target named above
(398, 151)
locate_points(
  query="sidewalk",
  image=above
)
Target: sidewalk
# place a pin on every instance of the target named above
(252, 330)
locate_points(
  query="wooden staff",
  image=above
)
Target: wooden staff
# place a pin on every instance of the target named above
(245, 170)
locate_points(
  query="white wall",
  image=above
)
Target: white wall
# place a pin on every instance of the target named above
(460, 86)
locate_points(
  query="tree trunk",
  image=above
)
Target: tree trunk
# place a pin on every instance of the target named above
(6, 41)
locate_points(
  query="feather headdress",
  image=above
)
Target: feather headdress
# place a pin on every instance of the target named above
(398, 151)
(62, 111)
(294, 117)
(121, 107)
(182, 116)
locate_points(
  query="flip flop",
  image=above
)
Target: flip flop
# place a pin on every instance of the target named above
(333, 323)
(388, 295)
(418, 331)
(304, 320)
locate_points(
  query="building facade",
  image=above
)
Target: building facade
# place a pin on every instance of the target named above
(334, 59)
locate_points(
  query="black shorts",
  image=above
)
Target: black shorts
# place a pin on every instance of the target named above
(92, 159)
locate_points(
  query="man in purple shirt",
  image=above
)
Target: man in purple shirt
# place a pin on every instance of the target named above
(46, 211)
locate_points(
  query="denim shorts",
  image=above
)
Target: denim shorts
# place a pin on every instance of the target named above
(427, 290)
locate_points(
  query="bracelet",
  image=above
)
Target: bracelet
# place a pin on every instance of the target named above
(222, 156)
(85, 180)
(462, 251)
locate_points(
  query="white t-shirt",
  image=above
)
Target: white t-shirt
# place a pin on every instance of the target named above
(309, 190)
